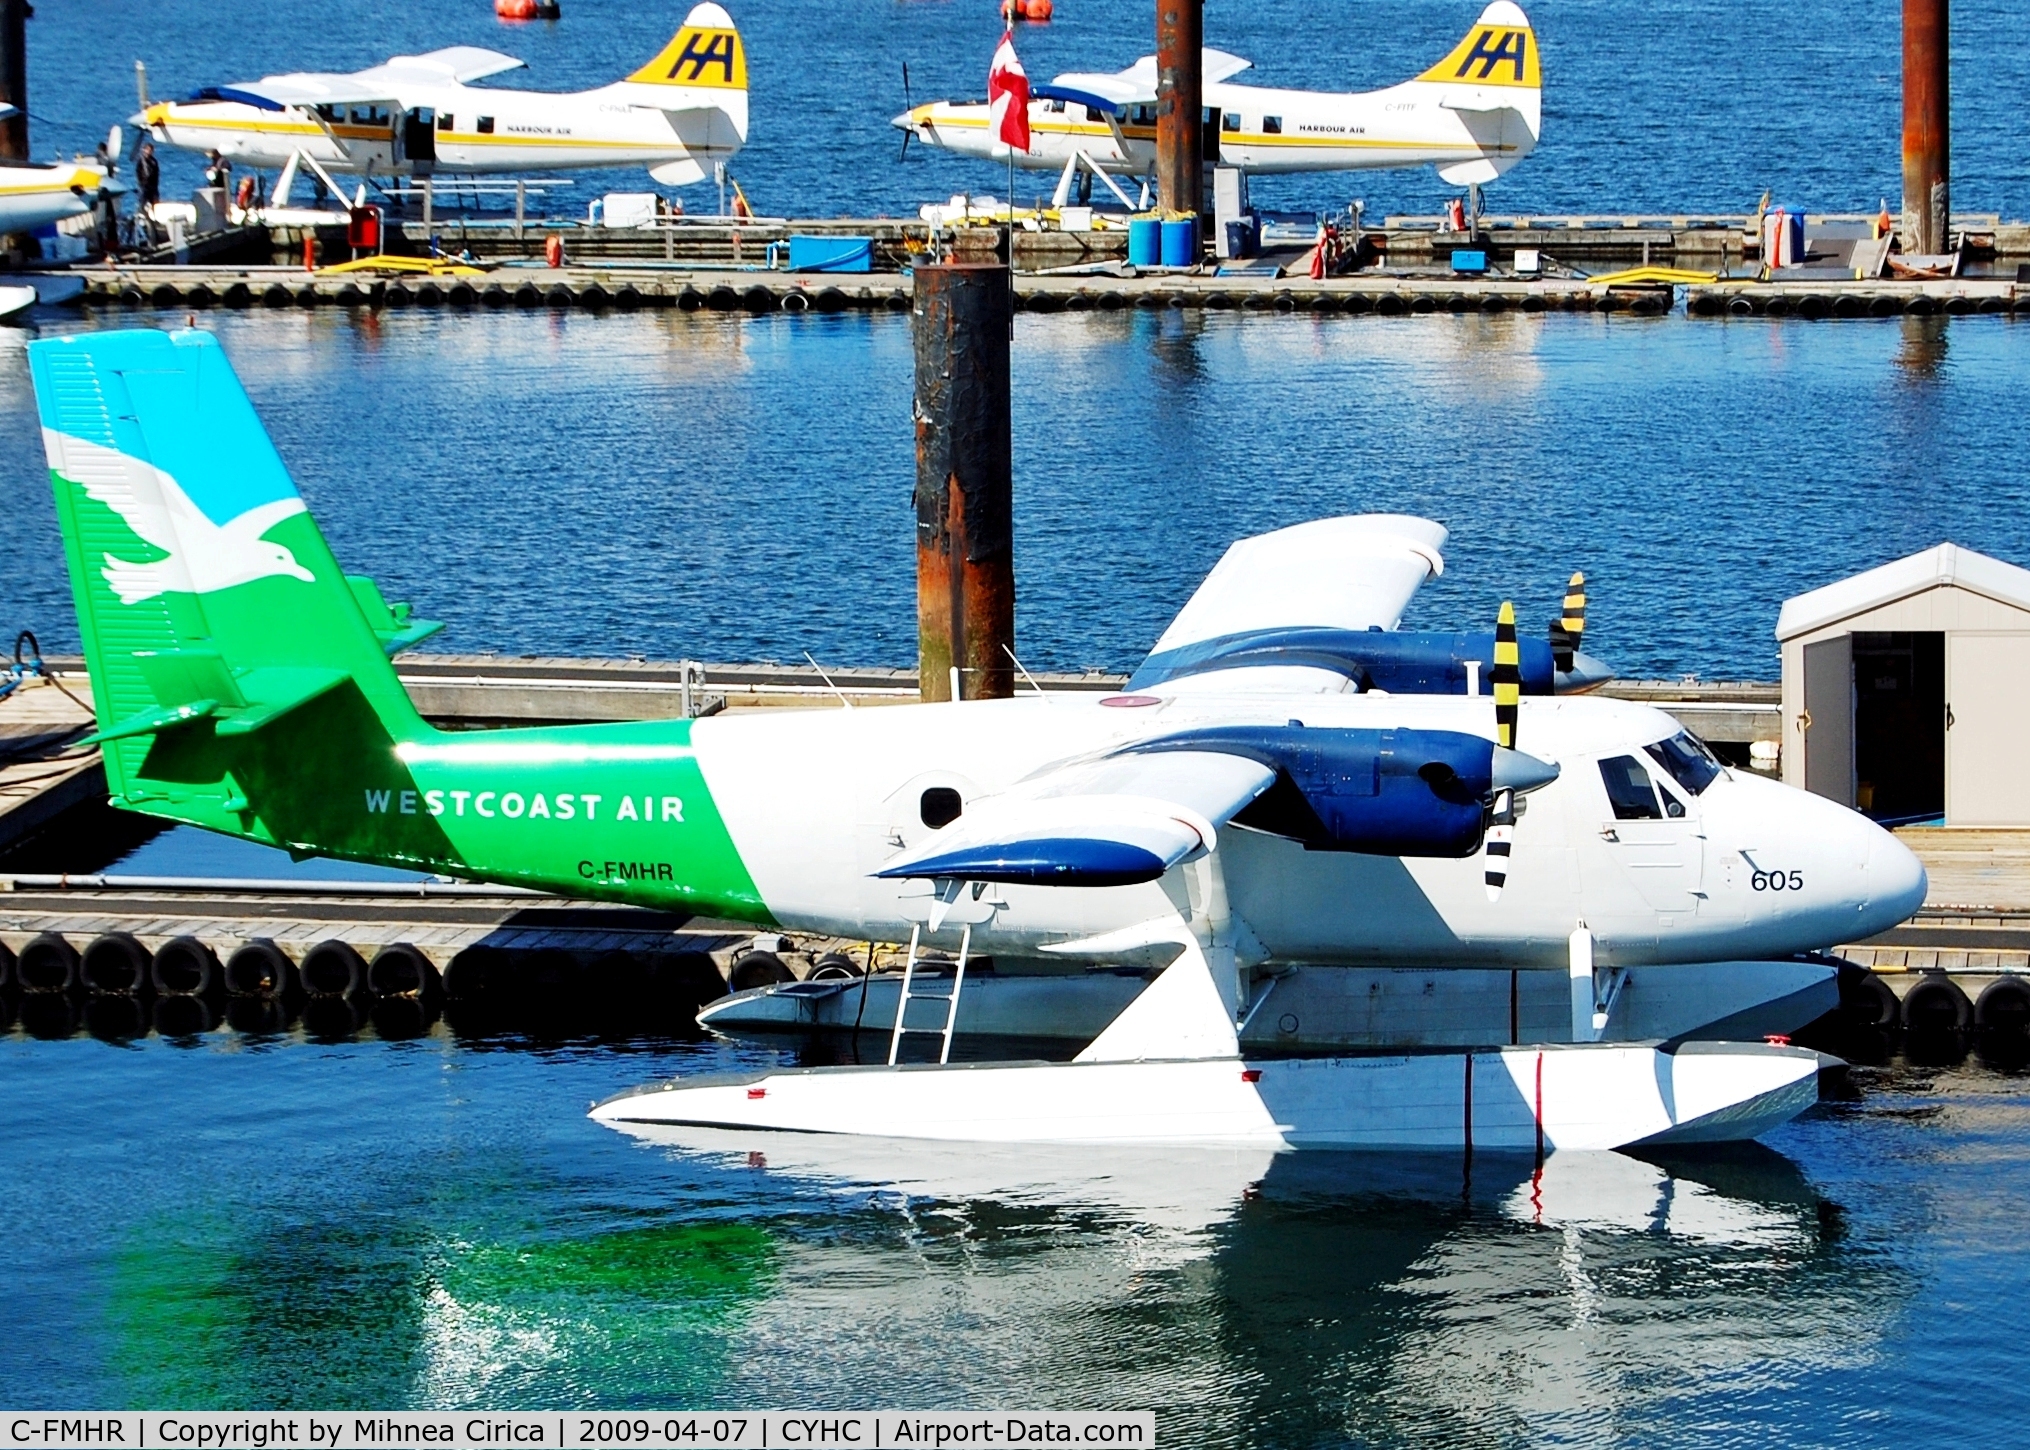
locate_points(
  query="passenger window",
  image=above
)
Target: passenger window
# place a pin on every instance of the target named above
(1688, 760)
(485, 127)
(1231, 121)
(940, 807)
(1272, 125)
(444, 121)
(1629, 790)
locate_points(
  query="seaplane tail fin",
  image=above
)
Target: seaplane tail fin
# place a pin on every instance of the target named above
(222, 637)
(700, 80)
(1500, 50)
(703, 67)
(1493, 81)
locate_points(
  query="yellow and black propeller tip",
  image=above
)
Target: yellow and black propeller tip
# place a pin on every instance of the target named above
(1507, 676)
(1568, 630)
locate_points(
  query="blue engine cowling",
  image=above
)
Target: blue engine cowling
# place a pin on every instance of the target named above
(1400, 662)
(1381, 792)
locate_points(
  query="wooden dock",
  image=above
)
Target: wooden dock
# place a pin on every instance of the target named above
(621, 287)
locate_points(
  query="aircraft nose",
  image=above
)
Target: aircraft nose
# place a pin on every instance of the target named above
(1896, 881)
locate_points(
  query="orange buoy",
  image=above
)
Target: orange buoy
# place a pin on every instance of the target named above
(515, 9)
(553, 250)
(1035, 11)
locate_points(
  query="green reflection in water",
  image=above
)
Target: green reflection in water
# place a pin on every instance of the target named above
(378, 1312)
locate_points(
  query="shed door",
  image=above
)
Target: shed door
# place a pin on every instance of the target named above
(1987, 680)
(1829, 705)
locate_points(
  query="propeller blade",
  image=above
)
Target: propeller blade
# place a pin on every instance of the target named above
(907, 104)
(1507, 676)
(906, 134)
(1500, 840)
(1568, 632)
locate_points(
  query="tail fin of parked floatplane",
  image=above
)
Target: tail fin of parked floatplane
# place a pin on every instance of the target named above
(204, 591)
(243, 681)
(1493, 81)
(700, 81)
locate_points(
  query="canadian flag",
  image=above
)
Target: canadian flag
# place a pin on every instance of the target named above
(1008, 95)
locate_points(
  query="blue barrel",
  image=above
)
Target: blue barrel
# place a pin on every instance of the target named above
(1145, 241)
(1180, 242)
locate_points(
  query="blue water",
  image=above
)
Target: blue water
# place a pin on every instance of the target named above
(221, 1221)
(730, 488)
(1696, 106)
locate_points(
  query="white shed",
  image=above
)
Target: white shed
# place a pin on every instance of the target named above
(1905, 690)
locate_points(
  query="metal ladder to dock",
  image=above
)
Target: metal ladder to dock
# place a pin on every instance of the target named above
(950, 999)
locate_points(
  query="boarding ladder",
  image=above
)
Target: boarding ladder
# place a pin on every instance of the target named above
(909, 994)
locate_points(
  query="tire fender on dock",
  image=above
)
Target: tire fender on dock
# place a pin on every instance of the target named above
(758, 969)
(260, 970)
(1936, 1004)
(47, 964)
(333, 969)
(186, 967)
(402, 970)
(115, 964)
(2003, 1006)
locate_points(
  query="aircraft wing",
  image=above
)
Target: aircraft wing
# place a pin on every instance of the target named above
(461, 63)
(1356, 572)
(392, 82)
(1109, 822)
(304, 88)
(1135, 86)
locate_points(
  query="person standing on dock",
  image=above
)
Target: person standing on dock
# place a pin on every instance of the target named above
(218, 171)
(148, 176)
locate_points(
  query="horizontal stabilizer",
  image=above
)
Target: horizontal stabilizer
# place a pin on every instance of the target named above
(391, 623)
(194, 685)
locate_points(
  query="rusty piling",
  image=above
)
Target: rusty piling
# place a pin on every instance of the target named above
(1927, 108)
(14, 78)
(965, 554)
(1180, 104)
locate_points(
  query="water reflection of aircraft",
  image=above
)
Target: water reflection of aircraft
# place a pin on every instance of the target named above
(417, 114)
(1260, 798)
(1473, 115)
(1331, 1298)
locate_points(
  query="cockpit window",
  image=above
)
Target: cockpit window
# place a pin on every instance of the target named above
(1629, 790)
(1672, 806)
(1687, 759)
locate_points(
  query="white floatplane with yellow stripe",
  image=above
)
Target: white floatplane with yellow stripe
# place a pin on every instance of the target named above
(416, 114)
(35, 195)
(1473, 115)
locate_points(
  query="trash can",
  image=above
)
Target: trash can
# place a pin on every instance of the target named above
(1180, 241)
(1240, 238)
(1145, 241)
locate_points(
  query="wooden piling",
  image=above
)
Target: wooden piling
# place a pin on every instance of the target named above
(14, 79)
(965, 557)
(1180, 103)
(1927, 107)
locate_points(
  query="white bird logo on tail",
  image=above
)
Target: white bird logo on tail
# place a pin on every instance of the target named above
(202, 555)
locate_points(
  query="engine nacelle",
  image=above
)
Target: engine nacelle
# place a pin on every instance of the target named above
(1380, 792)
(1400, 662)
